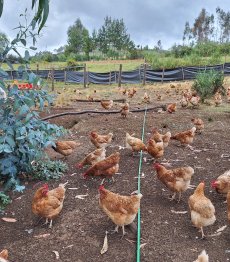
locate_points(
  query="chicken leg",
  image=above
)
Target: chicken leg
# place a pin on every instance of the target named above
(173, 197)
(202, 232)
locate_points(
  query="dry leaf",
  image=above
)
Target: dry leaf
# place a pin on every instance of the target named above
(81, 196)
(179, 212)
(224, 155)
(221, 229)
(56, 254)
(142, 245)
(105, 245)
(9, 219)
(42, 235)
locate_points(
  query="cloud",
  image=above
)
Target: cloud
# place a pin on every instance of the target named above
(147, 21)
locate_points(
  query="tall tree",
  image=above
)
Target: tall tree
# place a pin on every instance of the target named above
(203, 26)
(113, 36)
(224, 24)
(187, 36)
(77, 35)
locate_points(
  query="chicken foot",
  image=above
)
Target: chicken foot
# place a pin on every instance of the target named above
(173, 197)
(102, 182)
(47, 222)
(202, 232)
(116, 231)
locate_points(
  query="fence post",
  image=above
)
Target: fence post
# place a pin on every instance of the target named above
(37, 69)
(65, 75)
(119, 77)
(52, 77)
(163, 74)
(84, 76)
(144, 76)
(182, 72)
(11, 73)
(140, 73)
(223, 67)
(110, 77)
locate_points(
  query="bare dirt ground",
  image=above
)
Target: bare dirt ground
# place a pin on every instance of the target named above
(79, 231)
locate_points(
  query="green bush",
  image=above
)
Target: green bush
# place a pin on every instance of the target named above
(4, 200)
(23, 134)
(208, 83)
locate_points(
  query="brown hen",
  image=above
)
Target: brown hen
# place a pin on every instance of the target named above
(48, 203)
(122, 210)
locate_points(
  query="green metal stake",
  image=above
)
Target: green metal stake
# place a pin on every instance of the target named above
(139, 190)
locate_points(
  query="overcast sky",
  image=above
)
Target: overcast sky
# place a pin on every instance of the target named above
(147, 21)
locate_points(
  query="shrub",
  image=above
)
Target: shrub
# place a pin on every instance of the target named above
(23, 134)
(208, 83)
(46, 170)
(4, 200)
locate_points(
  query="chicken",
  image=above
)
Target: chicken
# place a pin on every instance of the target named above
(176, 180)
(201, 208)
(4, 255)
(222, 183)
(65, 148)
(124, 91)
(159, 97)
(199, 124)
(107, 167)
(48, 204)
(100, 140)
(107, 104)
(194, 100)
(125, 110)
(185, 137)
(131, 92)
(228, 94)
(93, 157)
(155, 149)
(228, 204)
(146, 98)
(122, 210)
(171, 108)
(184, 101)
(90, 98)
(160, 137)
(218, 99)
(203, 257)
(134, 143)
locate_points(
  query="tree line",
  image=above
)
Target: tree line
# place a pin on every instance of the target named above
(208, 33)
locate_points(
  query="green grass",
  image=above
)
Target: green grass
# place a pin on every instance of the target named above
(97, 66)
